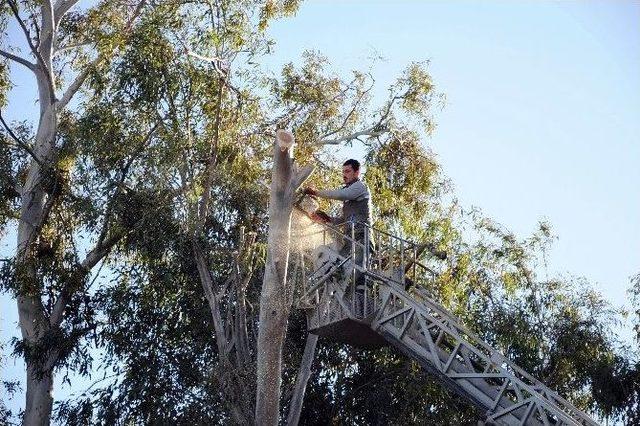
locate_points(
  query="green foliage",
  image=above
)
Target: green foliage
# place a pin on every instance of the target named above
(162, 136)
(5, 82)
(9, 389)
(170, 379)
(8, 193)
(418, 97)
(404, 181)
(273, 9)
(378, 387)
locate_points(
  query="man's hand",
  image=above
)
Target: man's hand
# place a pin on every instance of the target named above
(309, 190)
(320, 216)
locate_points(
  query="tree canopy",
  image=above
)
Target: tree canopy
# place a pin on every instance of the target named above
(142, 263)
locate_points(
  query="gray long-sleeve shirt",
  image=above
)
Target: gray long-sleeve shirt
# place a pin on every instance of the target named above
(357, 202)
(356, 191)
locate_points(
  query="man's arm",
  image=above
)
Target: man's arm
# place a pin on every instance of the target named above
(352, 192)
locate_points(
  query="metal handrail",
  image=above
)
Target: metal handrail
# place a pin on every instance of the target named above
(470, 341)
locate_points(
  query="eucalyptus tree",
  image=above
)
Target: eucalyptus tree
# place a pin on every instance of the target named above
(61, 48)
(164, 163)
(212, 155)
(82, 175)
(149, 144)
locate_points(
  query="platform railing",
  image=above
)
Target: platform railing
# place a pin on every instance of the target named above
(379, 251)
(373, 290)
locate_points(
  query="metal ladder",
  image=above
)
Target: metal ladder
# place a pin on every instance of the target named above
(371, 299)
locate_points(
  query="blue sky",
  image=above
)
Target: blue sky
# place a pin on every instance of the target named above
(542, 117)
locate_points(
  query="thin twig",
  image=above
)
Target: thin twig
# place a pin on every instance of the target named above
(20, 143)
(353, 110)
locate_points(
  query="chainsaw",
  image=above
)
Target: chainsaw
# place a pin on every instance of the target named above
(308, 205)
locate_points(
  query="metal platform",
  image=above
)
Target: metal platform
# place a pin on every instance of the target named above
(351, 332)
(368, 306)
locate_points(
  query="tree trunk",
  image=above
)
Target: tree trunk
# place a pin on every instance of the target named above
(301, 380)
(39, 398)
(275, 302)
(32, 320)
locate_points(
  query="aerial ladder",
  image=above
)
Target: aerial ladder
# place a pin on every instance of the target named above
(384, 300)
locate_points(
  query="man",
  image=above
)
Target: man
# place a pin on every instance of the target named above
(356, 208)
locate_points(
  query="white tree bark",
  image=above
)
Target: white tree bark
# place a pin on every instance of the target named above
(31, 316)
(39, 399)
(275, 300)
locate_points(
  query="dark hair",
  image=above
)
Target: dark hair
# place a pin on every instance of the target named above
(355, 164)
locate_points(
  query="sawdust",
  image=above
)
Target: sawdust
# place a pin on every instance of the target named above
(306, 235)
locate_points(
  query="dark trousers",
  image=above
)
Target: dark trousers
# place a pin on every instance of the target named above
(358, 251)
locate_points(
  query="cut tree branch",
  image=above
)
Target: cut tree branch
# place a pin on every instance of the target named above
(301, 176)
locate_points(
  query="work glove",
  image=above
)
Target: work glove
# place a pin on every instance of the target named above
(310, 191)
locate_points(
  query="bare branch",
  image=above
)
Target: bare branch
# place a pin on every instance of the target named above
(48, 29)
(304, 372)
(71, 46)
(220, 65)
(35, 24)
(75, 85)
(19, 142)
(34, 50)
(223, 290)
(371, 132)
(377, 129)
(212, 59)
(101, 250)
(214, 306)
(61, 8)
(18, 59)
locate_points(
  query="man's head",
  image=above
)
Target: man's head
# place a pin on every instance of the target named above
(350, 171)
